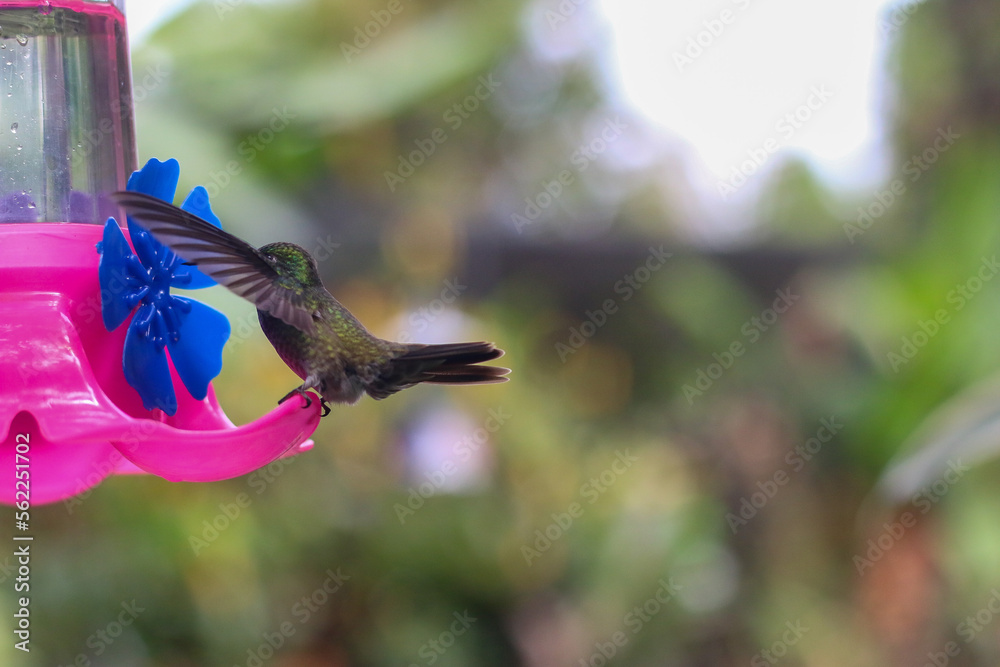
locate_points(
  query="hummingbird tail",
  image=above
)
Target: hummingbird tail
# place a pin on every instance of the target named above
(452, 363)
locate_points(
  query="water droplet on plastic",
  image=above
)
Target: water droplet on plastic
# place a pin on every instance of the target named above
(21, 38)
(19, 148)
(13, 128)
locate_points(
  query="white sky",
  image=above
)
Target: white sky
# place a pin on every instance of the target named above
(728, 95)
(144, 15)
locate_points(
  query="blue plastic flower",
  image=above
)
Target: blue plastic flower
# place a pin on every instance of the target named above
(140, 281)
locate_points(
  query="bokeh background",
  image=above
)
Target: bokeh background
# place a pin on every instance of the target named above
(709, 381)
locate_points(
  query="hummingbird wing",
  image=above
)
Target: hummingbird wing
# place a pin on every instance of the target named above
(229, 260)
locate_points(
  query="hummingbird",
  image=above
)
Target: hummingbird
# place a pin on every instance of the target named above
(313, 333)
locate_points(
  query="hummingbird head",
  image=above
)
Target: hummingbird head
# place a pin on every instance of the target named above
(292, 261)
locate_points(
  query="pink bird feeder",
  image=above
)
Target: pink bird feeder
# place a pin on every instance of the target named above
(102, 369)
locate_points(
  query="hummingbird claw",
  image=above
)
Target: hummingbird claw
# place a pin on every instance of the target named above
(301, 392)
